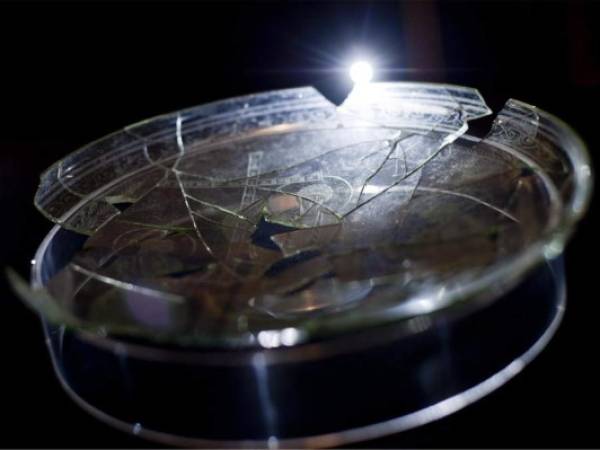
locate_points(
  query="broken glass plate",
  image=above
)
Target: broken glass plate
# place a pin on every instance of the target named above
(280, 219)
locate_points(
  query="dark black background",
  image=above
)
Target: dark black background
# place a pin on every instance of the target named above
(71, 72)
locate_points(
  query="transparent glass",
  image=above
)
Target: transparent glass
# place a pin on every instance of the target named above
(280, 237)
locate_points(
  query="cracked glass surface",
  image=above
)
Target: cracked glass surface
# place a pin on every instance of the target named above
(276, 218)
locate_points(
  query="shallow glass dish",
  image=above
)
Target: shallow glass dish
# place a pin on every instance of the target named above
(304, 274)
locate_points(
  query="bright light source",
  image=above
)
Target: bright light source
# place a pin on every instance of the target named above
(361, 72)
